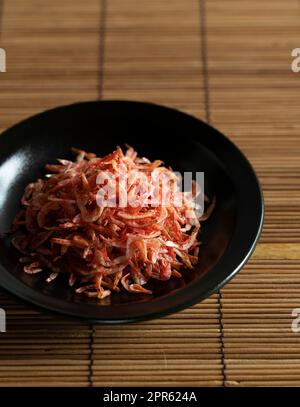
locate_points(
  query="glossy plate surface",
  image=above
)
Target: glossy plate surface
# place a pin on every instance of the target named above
(181, 141)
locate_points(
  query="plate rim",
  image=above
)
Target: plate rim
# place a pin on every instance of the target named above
(16, 287)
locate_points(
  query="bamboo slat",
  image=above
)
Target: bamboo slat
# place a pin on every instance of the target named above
(70, 69)
(254, 99)
(52, 59)
(227, 61)
(52, 55)
(153, 53)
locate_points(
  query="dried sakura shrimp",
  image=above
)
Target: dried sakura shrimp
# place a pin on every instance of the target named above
(104, 248)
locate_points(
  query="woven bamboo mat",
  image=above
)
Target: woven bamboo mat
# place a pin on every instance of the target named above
(227, 61)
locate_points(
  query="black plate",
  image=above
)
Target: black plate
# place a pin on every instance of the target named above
(183, 142)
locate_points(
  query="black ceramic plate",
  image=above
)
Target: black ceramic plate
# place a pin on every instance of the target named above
(183, 142)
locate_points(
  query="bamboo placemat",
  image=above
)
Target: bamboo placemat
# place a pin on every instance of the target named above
(228, 62)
